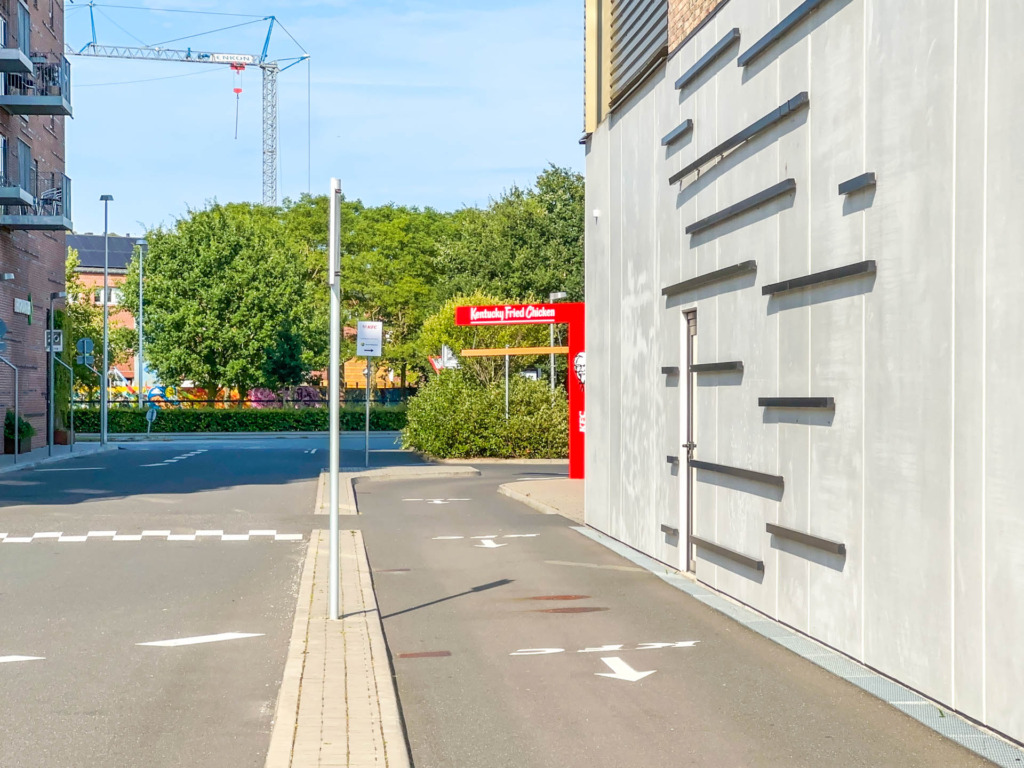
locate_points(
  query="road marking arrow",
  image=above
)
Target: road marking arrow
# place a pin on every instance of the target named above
(620, 670)
(490, 544)
(202, 639)
(9, 659)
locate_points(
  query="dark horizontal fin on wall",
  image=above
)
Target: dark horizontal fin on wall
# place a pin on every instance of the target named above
(775, 116)
(670, 530)
(805, 538)
(710, 277)
(730, 554)
(819, 278)
(746, 474)
(670, 370)
(779, 31)
(678, 133)
(857, 183)
(796, 402)
(708, 58)
(672, 459)
(733, 365)
(774, 191)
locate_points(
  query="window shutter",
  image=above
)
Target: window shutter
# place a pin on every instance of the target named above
(639, 42)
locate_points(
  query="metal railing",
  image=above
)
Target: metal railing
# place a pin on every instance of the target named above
(12, 171)
(51, 76)
(52, 194)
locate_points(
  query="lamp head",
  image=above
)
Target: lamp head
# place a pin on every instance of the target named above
(58, 295)
(106, 198)
(558, 296)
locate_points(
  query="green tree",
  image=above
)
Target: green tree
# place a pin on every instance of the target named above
(218, 286)
(283, 365)
(527, 244)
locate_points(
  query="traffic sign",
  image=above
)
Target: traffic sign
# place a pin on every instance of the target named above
(85, 346)
(85, 359)
(57, 340)
(369, 339)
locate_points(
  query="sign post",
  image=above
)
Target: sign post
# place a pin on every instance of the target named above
(572, 314)
(369, 340)
(334, 395)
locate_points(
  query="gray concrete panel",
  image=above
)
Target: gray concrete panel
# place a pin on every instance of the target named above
(907, 544)
(968, 308)
(1004, 364)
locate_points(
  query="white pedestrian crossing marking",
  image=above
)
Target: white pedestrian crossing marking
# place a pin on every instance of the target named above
(265, 534)
(12, 659)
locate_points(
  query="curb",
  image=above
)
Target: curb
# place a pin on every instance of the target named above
(347, 482)
(539, 462)
(54, 459)
(522, 498)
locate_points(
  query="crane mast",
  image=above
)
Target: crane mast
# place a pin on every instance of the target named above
(270, 70)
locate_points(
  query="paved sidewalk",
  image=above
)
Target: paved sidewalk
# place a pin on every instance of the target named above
(557, 496)
(347, 482)
(337, 705)
(41, 455)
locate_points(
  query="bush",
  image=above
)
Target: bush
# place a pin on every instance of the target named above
(455, 417)
(125, 420)
(25, 430)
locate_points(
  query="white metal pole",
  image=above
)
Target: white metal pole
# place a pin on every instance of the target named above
(140, 375)
(366, 444)
(506, 385)
(334, 394)
(104, 394)
(53, 399)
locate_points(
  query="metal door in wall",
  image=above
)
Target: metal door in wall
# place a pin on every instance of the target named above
(688, 338)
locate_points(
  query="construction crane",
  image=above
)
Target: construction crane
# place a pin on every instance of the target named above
(270, 70)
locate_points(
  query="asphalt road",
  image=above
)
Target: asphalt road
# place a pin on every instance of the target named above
(499, 649)
(94, 696)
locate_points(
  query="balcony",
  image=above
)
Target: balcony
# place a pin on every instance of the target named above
(12, 58)
(50, 210)
(17, 175)
(44, 91)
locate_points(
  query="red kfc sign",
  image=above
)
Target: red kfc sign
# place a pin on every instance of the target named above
(572, 315)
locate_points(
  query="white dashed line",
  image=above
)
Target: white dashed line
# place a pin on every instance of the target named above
(263, 534)
(203, 639)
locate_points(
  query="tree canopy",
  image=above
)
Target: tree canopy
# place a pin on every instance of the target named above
(236, 295)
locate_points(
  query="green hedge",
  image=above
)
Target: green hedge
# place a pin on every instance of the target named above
(125, 420)
(455, 417)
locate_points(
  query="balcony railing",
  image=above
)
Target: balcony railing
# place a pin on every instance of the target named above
(17, 178)
(44, 91)
(50, 208)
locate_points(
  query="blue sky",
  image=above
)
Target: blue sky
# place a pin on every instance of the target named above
(437, 103)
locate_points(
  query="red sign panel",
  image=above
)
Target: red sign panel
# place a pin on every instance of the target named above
(574, 316)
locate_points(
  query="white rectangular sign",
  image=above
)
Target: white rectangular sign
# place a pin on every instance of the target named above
(369, 339)
(23, 307)
(58, 341)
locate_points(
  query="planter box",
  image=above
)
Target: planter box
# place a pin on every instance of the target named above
(25, 446)
(61, 437)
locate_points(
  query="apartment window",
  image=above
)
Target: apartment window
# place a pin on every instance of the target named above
(3, 31)
(51, 13)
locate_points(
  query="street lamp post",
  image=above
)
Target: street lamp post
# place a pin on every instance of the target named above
(552, 298)
(50, 359)
(104, 394)
(140, 367)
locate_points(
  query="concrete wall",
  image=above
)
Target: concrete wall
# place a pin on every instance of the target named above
(916, 469)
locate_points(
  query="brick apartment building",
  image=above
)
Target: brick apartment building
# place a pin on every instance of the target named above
(90, 250)
(35, 211)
